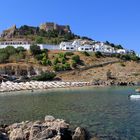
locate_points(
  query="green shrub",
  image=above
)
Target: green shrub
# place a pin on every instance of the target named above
(56, 67)
(74, 64)
(45, 76)
(39, 40)
(61, 67)
(16, 57)
(62, 55)
(3, 57)
(98, 54)
(86, 53)
(10, 50)
(63, 60)
(20, 49)
(56, 61)
(76, 58)
(48, 62)
(35, 49)
(66, 66)
(39, 57)
(69, 53)
(44, 51)
(2, 50)
(125, 57)
(134, 57)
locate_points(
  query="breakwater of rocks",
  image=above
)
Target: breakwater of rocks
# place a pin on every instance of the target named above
(35, 85)
(39, 85)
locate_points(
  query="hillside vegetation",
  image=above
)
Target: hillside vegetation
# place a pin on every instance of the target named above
(57, 60)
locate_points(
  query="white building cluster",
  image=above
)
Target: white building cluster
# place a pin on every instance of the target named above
(26, 45)
(76, 45)
(90, 46)
(15, 44)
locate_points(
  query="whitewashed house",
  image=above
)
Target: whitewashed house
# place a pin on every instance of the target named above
(87, 48)
(67, 46)
(109, 49)
(15, 44)
(103, 48)
(121, 51)
(77, 43)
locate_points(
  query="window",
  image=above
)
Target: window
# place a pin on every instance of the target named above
(67, 48)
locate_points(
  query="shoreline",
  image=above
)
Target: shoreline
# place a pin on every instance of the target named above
(34, 86)
(37, 86)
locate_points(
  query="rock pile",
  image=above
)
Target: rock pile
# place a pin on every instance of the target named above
(49, 129)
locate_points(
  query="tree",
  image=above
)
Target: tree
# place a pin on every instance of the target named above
(20, 49)
(98, 54)
(3, 57)
(39, 40)
(10, 50)
(35, 49)
(16, 57)
(76, 58)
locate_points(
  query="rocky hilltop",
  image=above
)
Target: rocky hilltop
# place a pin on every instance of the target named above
(47, 31)
(48, 26)
(9, 33)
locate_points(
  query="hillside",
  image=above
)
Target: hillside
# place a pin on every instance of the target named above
(121, 72)
(71, 66)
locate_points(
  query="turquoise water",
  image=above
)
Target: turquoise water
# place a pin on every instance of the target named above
(105, 111)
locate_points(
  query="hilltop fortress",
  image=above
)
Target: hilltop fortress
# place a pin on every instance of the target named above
(25, 30)
(53, 26)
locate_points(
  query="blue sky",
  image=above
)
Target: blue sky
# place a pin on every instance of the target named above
(117, 21)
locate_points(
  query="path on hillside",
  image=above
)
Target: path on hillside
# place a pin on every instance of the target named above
(92, 66)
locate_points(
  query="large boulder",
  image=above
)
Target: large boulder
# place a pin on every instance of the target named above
(36, 133)
(56, 124)
(79, 134)
(17, 134)
(49, 118)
